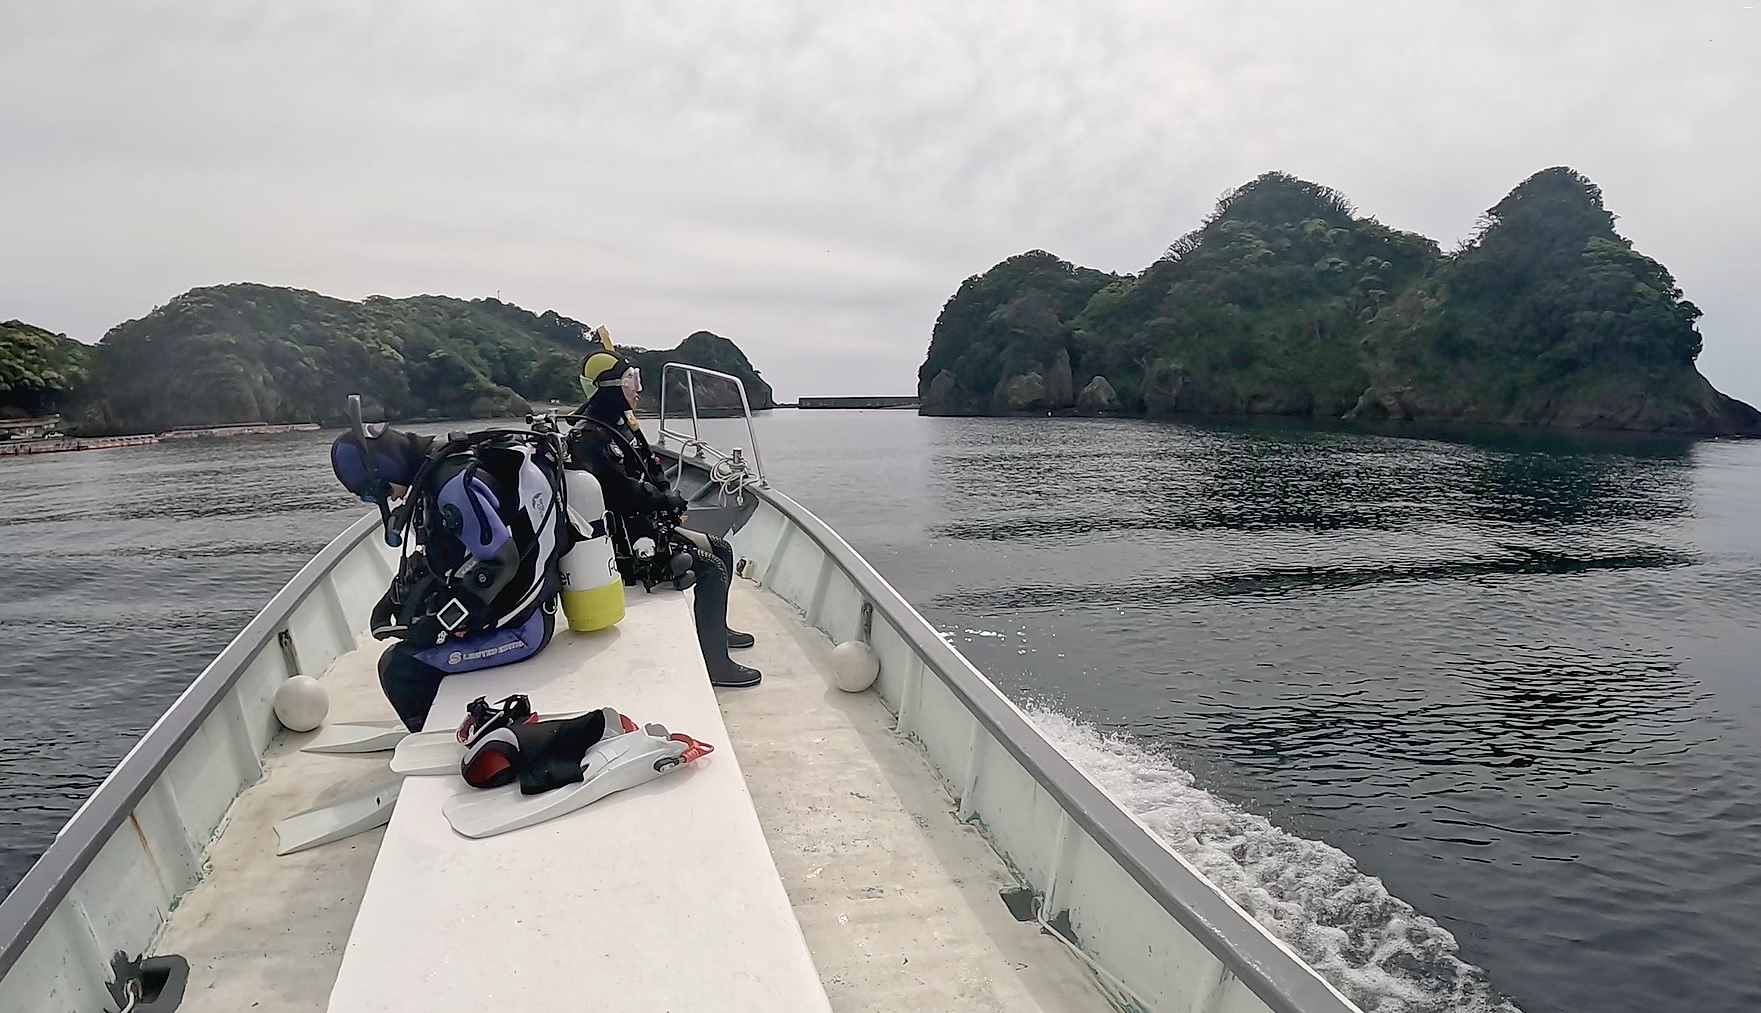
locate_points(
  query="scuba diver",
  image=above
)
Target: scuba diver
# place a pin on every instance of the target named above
(478, 587)
(653, 546)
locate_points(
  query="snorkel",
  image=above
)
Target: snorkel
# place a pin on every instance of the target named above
(376, 486)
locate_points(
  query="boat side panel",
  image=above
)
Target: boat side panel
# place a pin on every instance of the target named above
(1097, 903)
(794, 572)
(760, 534)
(209, 771)
(62, 969)
(312, 644)
(125, 894)
(840, 610)
(122, 896)
(899, 665)
(358, 581)
(1016, 813)
(1138, 937)
(249, 713)
(117, 898)
(951, 737)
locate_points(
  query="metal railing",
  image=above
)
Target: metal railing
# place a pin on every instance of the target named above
(730, 469)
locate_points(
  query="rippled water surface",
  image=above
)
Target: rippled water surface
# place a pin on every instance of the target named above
(1472, 719)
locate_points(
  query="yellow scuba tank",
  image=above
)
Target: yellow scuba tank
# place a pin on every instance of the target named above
(593, 593)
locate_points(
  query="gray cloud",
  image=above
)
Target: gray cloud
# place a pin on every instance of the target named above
(814, 180)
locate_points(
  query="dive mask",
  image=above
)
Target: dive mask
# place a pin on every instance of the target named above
(631, 381)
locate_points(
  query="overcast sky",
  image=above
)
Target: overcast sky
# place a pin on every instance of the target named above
(814, 180)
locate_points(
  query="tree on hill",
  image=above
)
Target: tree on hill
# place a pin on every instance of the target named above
(1547, 274)
(38, 369)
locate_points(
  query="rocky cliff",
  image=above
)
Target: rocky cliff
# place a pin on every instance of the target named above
(1285, 301)
(711, 351)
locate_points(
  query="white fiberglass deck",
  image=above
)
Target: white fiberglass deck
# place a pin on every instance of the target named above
(667, 896)
(662, 897)
(899, 900)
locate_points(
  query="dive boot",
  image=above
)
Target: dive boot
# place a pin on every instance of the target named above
(735, 675)
(737, 640)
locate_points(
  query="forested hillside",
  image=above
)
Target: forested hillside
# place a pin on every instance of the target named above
(37, 369)
(249, 353)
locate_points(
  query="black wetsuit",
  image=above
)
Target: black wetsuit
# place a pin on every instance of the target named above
(635, 491)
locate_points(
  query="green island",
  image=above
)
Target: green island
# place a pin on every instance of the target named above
(1285, 302)
(247, 353)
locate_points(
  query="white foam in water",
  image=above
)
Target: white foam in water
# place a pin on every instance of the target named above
(1371, 945)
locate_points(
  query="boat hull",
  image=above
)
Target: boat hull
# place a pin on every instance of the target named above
(1153, 929)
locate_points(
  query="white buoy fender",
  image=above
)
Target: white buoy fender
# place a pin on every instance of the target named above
(854, 666)
(301, 703)
(593, 592)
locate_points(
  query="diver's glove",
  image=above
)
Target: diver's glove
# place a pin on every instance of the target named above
(425, 632)
(383, 620)
(675, 502)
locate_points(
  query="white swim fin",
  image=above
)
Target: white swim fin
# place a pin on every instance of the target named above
(336, 821)
(356, 737)
(611, 765)
(430, 753)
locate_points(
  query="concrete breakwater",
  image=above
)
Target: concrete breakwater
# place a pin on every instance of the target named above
(192, 432)
(17, 448)
(57, 445)
(909, 401)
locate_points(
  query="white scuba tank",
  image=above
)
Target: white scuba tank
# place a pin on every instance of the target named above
(593, 593)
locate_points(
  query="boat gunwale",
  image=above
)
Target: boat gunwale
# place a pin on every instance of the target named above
(35, 898)
(1281, 979)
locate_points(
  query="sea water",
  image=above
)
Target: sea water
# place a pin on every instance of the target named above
(1472, 719)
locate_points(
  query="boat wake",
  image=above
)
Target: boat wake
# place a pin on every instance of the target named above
(1385, 956)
